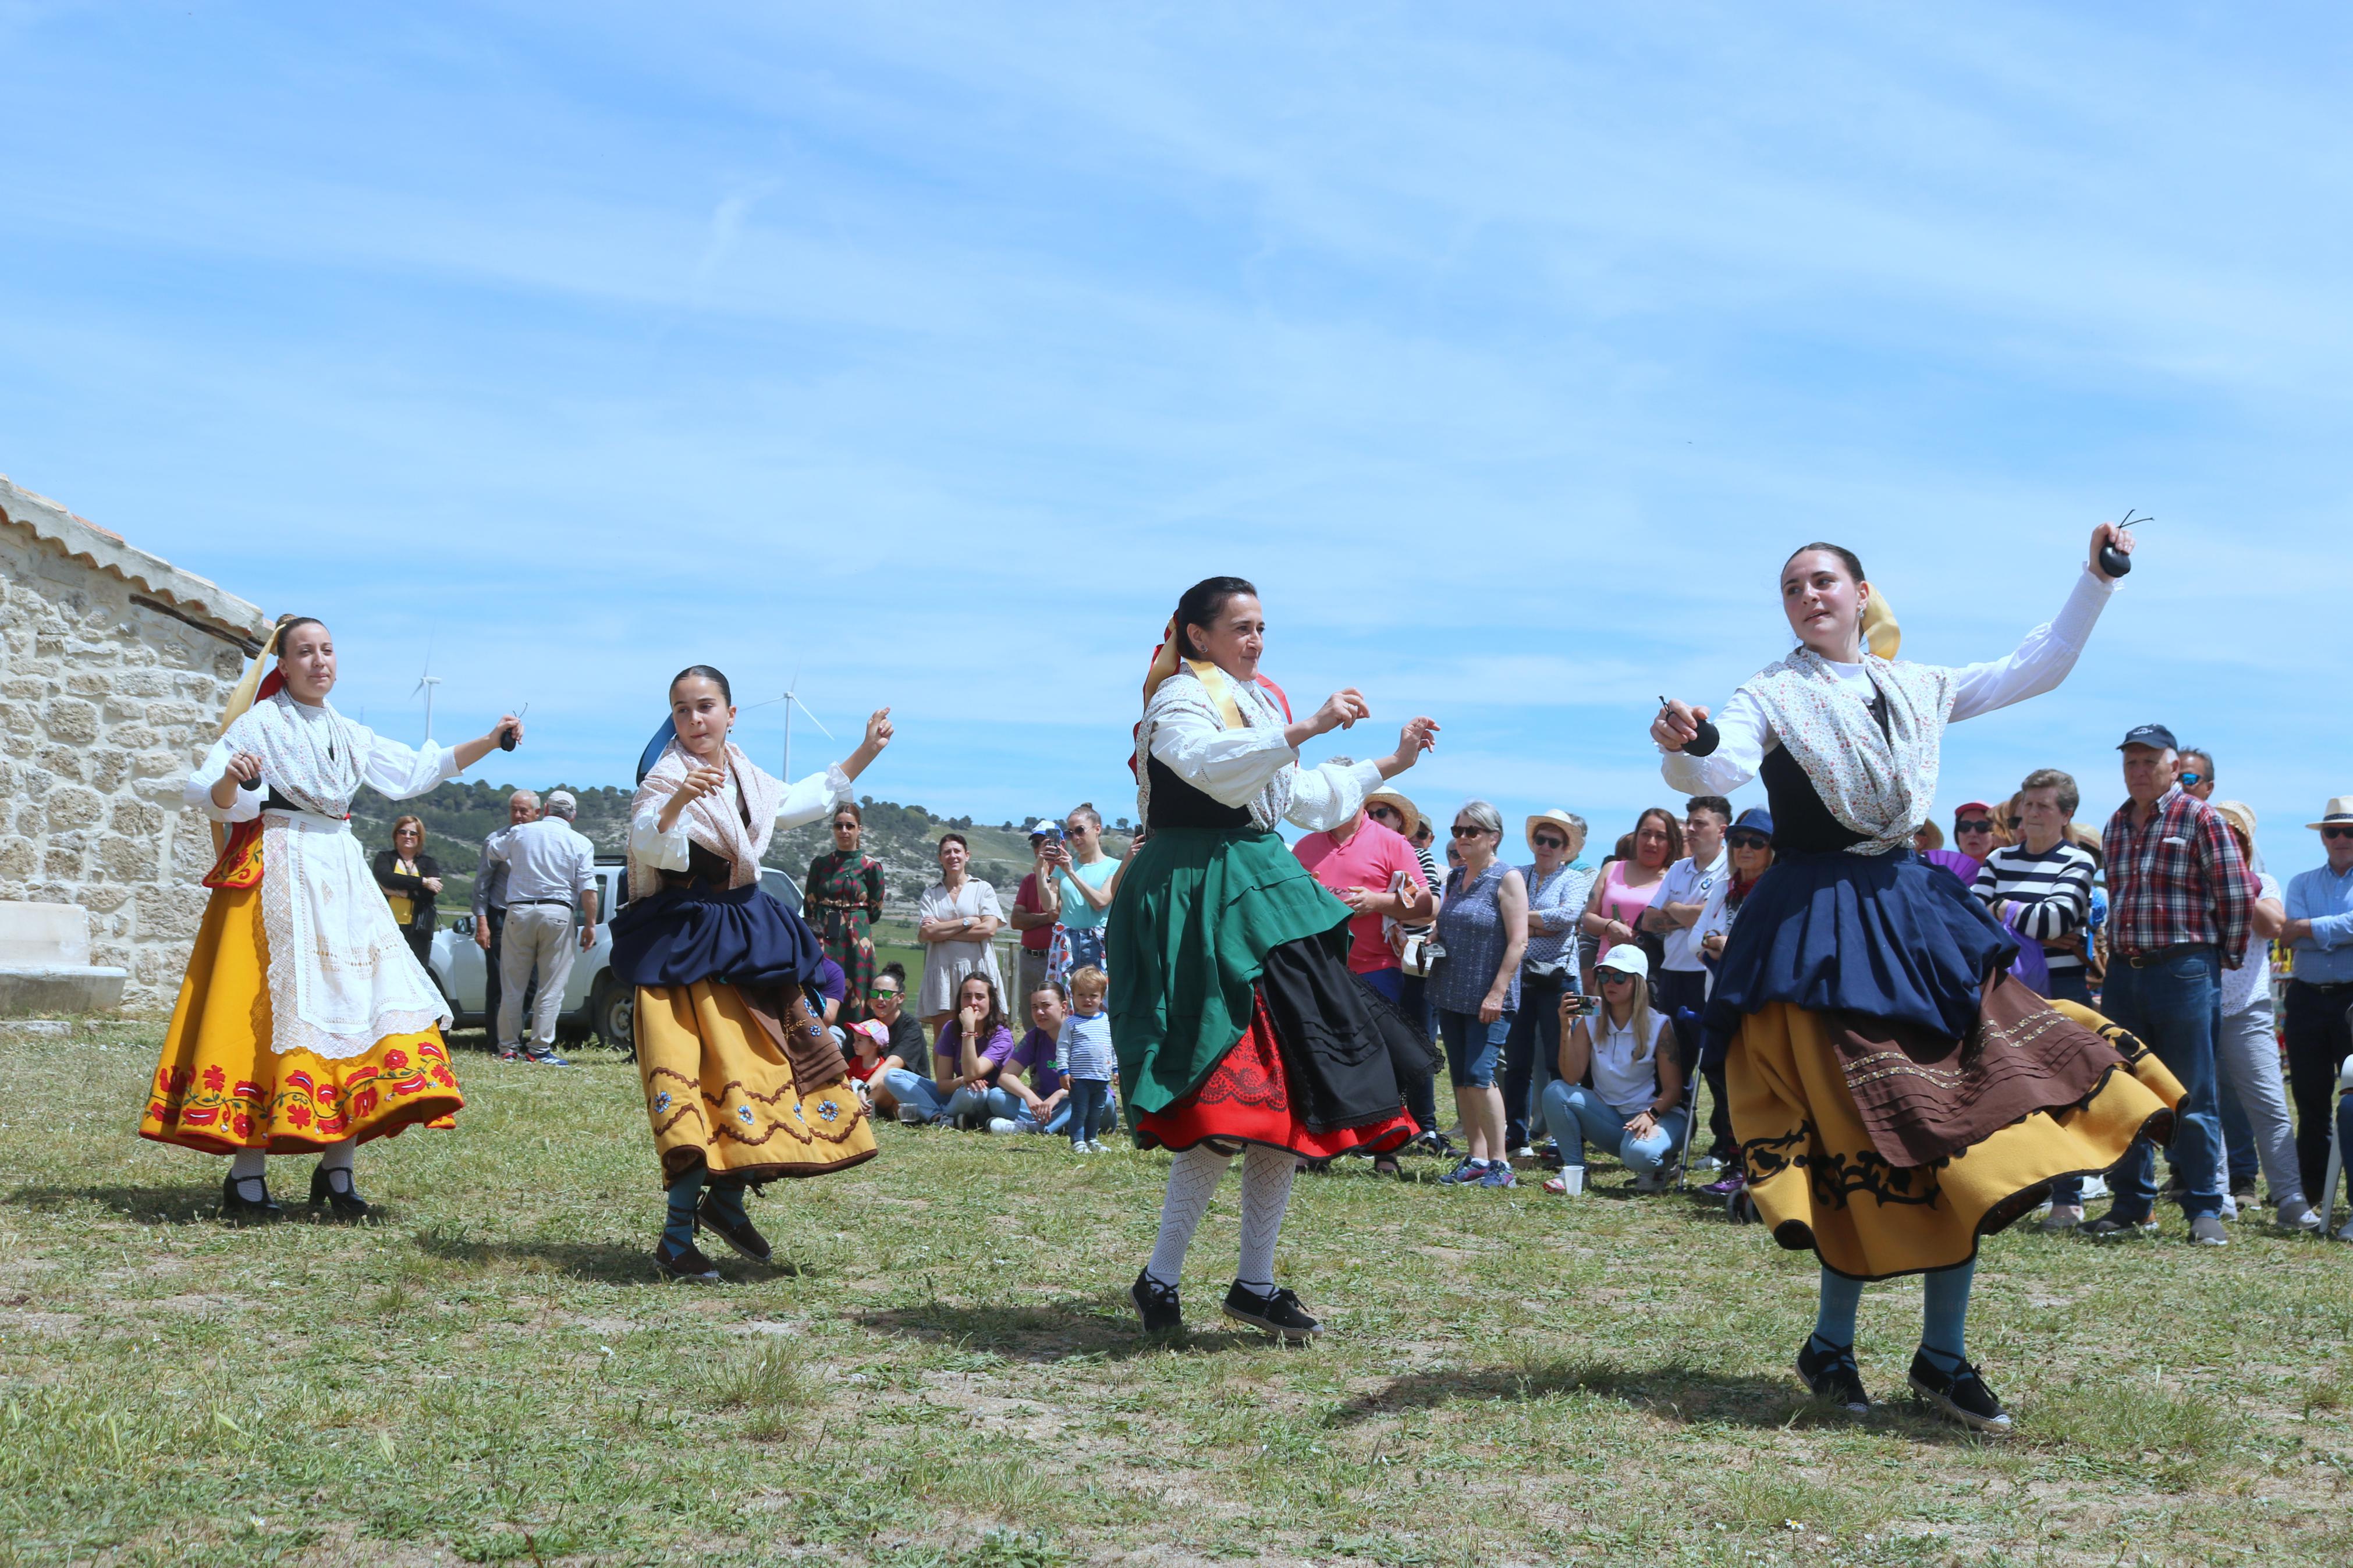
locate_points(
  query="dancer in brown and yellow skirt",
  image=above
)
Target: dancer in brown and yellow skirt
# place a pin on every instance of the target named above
(305, 1024)
(743, 1082)
(1897, 1095)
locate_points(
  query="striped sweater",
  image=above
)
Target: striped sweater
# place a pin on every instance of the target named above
(2052, 892)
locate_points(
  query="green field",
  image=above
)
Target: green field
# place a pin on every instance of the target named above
(944, 1371)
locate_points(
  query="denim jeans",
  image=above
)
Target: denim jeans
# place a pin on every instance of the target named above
(1090, 1098)
(2174, 1006)
(1473, 1048)
(1012, 1107)
(968, 1104)
(1576, 1115)
(1530, 1055)
(1421, 1088)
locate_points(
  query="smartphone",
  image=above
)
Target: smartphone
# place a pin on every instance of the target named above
(1584, 1006)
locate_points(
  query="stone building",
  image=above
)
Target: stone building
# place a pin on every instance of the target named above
(114, 667)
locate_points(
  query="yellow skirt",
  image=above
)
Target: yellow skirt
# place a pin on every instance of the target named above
(1818, 1184)
(721, 1094)
(219, 1087)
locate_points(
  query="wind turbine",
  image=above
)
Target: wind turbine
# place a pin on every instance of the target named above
(791, 698)
(425, 683)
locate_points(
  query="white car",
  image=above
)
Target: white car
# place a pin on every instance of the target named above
(594, 1001)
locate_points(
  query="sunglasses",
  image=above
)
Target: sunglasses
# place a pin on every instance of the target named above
(1984, 825)
(2336, 833)
(1390, 812)
(1547, 841)
(1616, 978)
(1463, 832)
(879, 994)
(1749, 841)
(2192, 778)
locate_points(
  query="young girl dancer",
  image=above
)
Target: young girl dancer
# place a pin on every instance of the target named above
(1894, 1094)
(1233, 1012)
(743, 1082)
(306, 1024)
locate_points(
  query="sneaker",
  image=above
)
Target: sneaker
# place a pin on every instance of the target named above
(1499, 1174)
(2345, 1233)
(2094, 1189)
(2108, 1228)
(506, 1054)
(254, 1205)
(1959, 1396)
(2062, 1217)
(1733, 1182)
(1000, 1125)
(2244, 1191)
(685, 1264)
(342, 1202)
(1467, 1171)
(746, 1241)
(1708, 1163)
(545, 1057)
(2207, 1230)
(1524, 1151)
(1156, 1304)
(1656, 1182)
(1279, 1313)
(1556, 1185)
(1830, 1374)
(1095, 1146)
(911, 1117)
(2299, 1216)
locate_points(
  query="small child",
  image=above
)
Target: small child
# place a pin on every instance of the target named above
(1083, 1051)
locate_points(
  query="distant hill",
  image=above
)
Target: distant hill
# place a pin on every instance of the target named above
(458, 816)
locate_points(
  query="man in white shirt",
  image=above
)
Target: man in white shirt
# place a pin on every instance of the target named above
(550, 869)
(1679, 986)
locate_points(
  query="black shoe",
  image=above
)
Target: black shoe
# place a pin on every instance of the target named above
(1278, 1314)
(686, 1263)
(345, 1205)
(747, 1242)
(1830, 1374)
(1959, 1396)
(1156, 1304)
(2108, 1228)
(248, 1211)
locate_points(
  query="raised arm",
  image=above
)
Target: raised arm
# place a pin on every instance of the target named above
(2040, 662)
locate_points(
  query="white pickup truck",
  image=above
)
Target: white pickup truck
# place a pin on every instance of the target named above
(594, 1001)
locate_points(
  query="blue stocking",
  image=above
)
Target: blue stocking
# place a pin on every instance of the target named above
(1834, 1323)
(727, 1197)
(1944, 1313)
(678, 1234)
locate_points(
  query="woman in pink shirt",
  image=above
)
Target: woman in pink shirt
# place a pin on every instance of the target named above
(1625, 888)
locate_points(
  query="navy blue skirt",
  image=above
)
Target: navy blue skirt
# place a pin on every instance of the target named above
(739, 936)
(1889, 936)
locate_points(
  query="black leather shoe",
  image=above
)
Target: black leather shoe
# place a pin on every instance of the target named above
(1280, 1313)
(1959, 1396)
(746, 1241)
(345, 1205)
(248, 1211)
(1830, 1374)
(685, 1264)
(1156, 1304)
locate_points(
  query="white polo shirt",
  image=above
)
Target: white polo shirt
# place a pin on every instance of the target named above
(1686, 883)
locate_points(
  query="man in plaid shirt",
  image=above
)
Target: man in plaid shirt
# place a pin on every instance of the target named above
(2181, 900)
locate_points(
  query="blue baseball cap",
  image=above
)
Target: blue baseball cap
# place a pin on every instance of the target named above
(2156, 735)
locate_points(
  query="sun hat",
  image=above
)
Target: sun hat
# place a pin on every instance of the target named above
(1756, 819)
(1558, 818)
(1627, 959)
(1406, 808)
(2338, 814)
(2238, 813)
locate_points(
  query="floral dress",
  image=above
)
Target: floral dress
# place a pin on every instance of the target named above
(844, 895)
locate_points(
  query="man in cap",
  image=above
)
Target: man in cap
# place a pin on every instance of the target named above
(1036, 906)
(551, 869)
(2319, 1031)
(2180, 903)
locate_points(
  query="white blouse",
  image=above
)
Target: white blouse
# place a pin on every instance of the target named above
(805, 801)
(1252, 767)
(2041, 662)
(390, 768)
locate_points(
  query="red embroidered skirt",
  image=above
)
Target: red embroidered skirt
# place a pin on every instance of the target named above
(1247, 1099)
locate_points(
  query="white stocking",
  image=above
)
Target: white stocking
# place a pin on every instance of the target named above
(1266, 1193)
(247, 1165)
(337, 1158)
(1193, 1178)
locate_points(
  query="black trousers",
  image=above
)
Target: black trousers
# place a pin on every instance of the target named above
(1682, 996)
(1530, 1055)
(2319, 1038)
(493, 991)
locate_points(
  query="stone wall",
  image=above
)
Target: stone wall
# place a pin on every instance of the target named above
(104, 704)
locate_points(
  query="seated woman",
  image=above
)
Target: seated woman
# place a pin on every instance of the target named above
(1634, 1106)
(969, 1054)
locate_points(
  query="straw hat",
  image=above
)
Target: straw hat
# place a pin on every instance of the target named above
(1558, 818)
(1406, 808)
(2239, 814)
(2338, 814)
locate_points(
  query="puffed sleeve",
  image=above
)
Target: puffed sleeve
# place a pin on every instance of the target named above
(198, 790)
(1325, 797)
(1229, 766)
(400, 771)
(2041, 662)
(662, 851)
(812, 797)
(1747, 736)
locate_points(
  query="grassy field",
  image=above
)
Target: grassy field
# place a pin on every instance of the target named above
(944, 1370)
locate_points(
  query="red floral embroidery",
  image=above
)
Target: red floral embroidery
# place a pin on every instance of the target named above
(243, 1125)
(199, 1116)
(411, 1084)
(443, 1076)
(300, 1115)
(213, 1079)
(393, 1061)
(363, 1101)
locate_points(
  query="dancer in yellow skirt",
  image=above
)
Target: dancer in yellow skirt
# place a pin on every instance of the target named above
(305, 1024)
(743, 1082)
(1896, 1093)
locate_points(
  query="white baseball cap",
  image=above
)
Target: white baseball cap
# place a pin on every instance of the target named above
(1627, 958)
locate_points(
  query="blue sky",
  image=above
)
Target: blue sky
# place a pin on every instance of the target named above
(934, 350)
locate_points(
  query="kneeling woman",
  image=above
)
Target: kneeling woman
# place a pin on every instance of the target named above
(1896, 1094)
(306, 1024)
(1634, 1107)
(1233, 1014)
(743, 1080)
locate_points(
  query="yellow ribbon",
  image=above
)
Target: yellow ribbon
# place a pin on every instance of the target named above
(1881, 633)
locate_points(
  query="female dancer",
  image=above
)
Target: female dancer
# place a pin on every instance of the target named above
(305, 1023)
(845, 886)
(1894, 1094)
(743, 1082)
(1233, 1012)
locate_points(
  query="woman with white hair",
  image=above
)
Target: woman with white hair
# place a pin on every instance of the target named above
(1482, 930)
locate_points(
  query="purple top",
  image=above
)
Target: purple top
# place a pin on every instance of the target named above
(1035, 1052)
(1000, 1045)
(831, 983)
